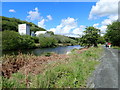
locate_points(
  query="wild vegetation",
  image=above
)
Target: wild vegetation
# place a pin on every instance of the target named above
(12, 40)
(69, 72)
(51, 70)
(113, 33)
(65, 39)
(116, 47)
(55, 40)
(90, 37)
(47, 41)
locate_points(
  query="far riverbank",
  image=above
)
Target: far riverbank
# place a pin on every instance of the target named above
(39, 51)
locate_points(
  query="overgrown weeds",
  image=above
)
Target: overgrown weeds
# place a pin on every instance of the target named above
(71, 72)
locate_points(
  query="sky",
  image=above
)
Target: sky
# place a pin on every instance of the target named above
(65, 18)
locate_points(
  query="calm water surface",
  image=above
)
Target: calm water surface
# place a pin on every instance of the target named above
(39, 51)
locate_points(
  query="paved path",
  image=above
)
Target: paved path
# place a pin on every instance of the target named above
(106, 74)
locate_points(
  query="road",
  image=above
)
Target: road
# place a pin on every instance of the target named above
(106, 74)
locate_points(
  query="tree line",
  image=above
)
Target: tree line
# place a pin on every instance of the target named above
(12, 40)
(92, 36)
(113, 33)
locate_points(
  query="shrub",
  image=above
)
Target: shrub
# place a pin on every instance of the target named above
(26, 42)
(36, 39)
(47, 41)
(64, 39)
(12, 40)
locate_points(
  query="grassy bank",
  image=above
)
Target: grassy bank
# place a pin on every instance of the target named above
(71, 72)
(116, 47)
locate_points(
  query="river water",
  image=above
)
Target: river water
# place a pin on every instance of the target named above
(39, 51)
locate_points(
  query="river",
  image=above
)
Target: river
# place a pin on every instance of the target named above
(39, 51)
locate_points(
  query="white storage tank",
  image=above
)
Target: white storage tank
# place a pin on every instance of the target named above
(24, 29)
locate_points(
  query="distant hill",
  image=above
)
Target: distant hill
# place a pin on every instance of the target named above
(12, 24)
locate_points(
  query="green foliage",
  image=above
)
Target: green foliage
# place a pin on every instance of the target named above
(36, 39)
(12, 40)
(47, 41)
(12, 24)
(53, 40)
(0, 43)
(101, 40)
(116, 47)
(70, 73)
(64, 39)
(91, 37)
(13, 82)
(113, 33)
(26, 42)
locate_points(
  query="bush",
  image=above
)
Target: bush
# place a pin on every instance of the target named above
(26, 42)
(12, 40)
(47, 41)
(36, 39)
(64, 39)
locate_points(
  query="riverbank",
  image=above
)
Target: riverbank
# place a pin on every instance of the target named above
(59, 44)
(40, 51)
(55, 71)
(12, 40)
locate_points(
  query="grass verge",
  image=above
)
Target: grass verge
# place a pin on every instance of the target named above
(116, 47)
(69, 73)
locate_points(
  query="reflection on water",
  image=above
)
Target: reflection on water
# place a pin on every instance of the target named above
(39, 51)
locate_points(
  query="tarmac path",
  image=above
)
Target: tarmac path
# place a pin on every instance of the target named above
(107, 73)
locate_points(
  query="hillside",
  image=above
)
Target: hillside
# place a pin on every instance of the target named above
(12, 24)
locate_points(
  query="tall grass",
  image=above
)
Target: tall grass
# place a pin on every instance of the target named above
(70, 73)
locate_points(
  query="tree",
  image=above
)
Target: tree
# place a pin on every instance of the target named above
(113, 33)
(90, 37)
(101, 40)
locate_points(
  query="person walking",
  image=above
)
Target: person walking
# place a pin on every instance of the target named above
(109, 44)
(106, 44)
